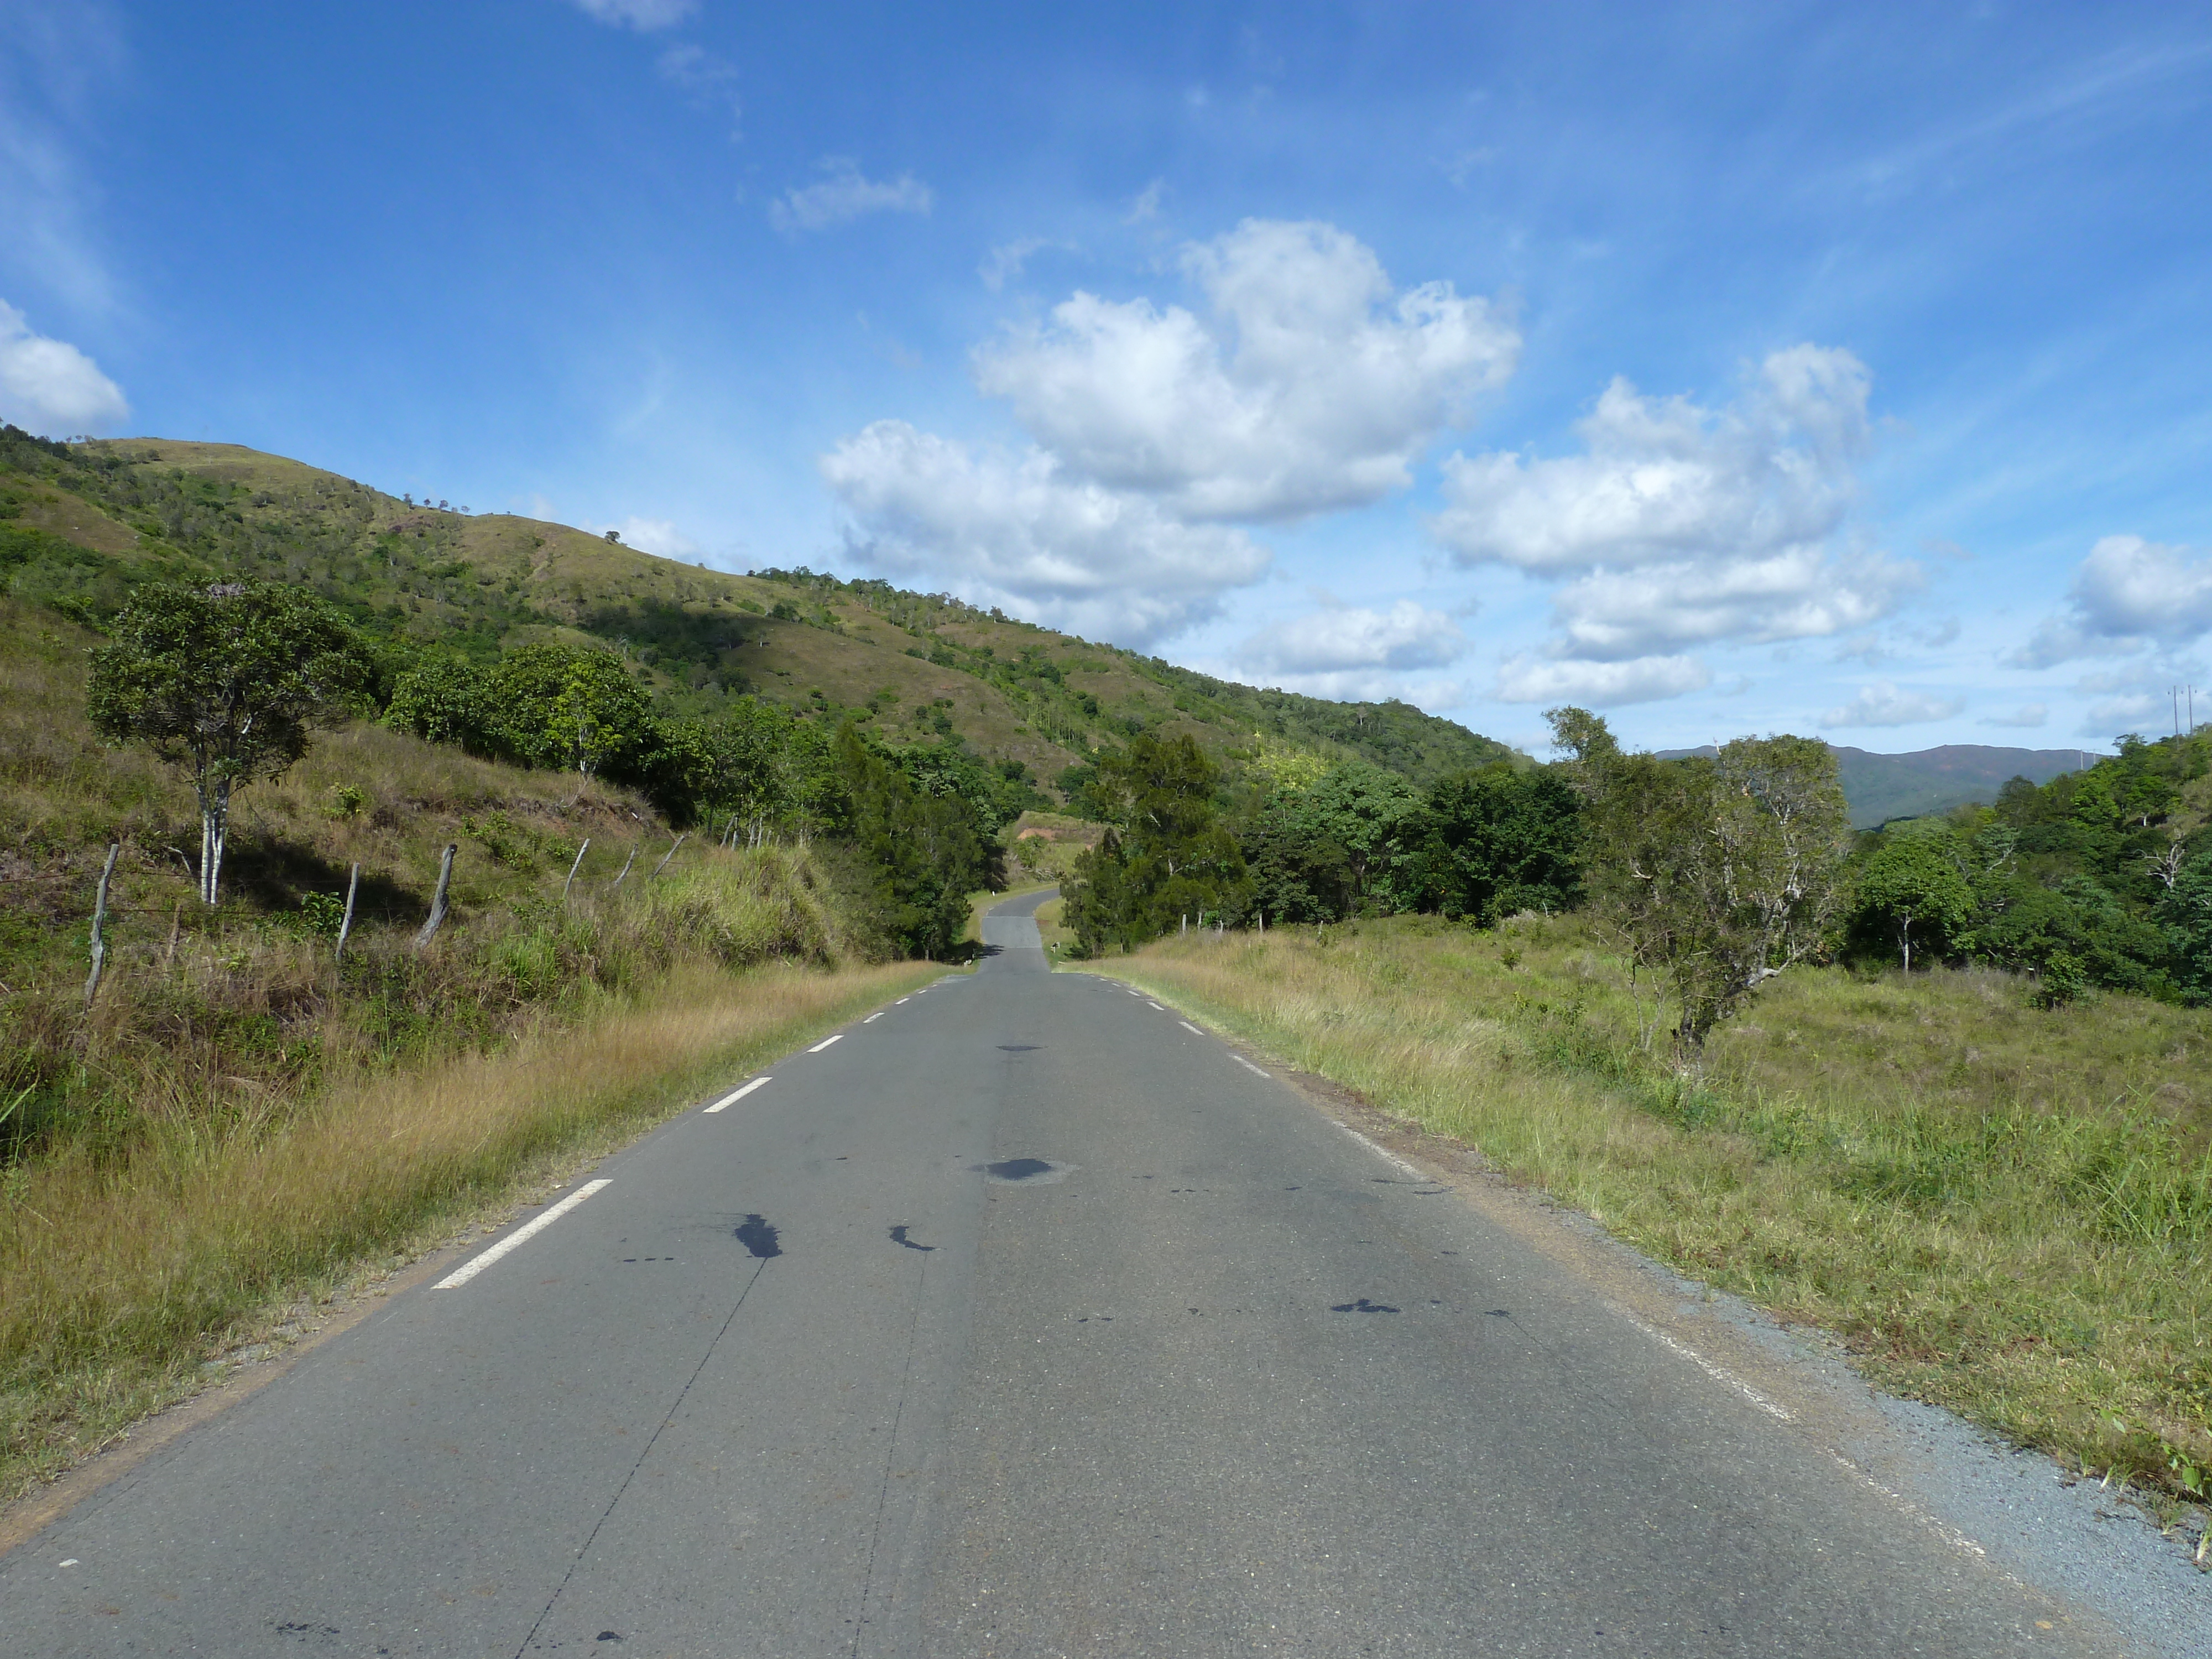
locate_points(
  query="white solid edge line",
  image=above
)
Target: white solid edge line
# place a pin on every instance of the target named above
(1190, 1027)
(873, 1018)
(1149, 1003)
(901, 999)
(1257, 1070)
(1719, 1374)
(736, 1095)
(825, 1043)
(1388, 1157)
(462, 1274)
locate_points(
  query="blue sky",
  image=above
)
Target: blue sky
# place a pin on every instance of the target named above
(1731, 369)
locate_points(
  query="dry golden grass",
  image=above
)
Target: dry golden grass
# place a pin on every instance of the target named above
(120, 1277)
(2003, 1210)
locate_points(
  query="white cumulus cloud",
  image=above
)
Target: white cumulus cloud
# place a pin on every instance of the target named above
(2128, 595)
(644, 15)
(1355, 654)
(1309, 386)
(1020, 531)
(49, 386)
(659, 536)
(1885, 703)
(1528, 678)
(1679, 525)
(844, 193)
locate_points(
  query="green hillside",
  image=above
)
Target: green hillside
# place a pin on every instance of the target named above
(81, 524)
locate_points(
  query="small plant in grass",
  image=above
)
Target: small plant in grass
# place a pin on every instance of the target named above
(346, 800)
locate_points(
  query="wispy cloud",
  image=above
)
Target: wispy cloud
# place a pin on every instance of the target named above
(844, 193)
(60, 67)
(643, 15)
(1005, 263)
(1888, 704)
(710, 78)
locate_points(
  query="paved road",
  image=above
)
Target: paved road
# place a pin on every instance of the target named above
(1021, 1320)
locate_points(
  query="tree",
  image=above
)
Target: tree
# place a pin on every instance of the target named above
(1715, 874)
(445, 700)
(1171, 857)
(2187, 910)
(1496, 841)
(1913, 880)
(580, 710)
(224, 682)
(733, 772)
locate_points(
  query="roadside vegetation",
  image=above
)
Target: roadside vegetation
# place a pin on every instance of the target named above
(240, 1117)
(1986, 1165)
(1999, 1208)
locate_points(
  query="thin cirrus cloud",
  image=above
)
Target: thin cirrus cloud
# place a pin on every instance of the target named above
(1306, 384)
(1681, 526)
(50, 386)
(1886, 704)
(2027, 716)
(843, 194)
(2129, 596)
(643, 15)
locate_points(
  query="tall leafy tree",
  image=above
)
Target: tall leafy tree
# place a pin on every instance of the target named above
(1916, 881)
(1715, 874)
(1171, 857)
(225, 682)
(576, 710)
(1496, 841)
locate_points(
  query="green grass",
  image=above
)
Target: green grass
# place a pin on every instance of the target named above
(122, 1272)
(240, 1120)
(2005, 1211)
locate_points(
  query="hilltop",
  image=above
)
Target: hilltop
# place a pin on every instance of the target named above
(1925, 781)
(91, 520)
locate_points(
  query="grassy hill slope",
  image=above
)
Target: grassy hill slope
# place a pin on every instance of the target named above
(922, 667)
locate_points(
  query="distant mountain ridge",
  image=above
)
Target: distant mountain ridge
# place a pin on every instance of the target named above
(1880, 788)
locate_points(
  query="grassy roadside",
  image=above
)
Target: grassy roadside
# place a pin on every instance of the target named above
(120, 1279)
(2003, 1210)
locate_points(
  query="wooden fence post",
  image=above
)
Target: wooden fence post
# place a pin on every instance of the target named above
(663, 864)
(438, 899)
(345, 922)
(99, 916)
(627, 862)
(573, 868)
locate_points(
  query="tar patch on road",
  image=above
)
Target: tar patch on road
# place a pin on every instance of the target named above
(899, 1237)
(1019, 1169)
(758, 1236)
(1362, 1306)
(1019, 1048)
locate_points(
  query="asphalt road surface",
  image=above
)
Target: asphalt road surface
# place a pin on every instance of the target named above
(1021, 1319)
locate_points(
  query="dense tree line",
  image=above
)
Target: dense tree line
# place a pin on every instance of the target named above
(1354, 840)
(2097, 878)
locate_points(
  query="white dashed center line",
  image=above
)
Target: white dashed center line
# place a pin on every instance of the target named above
(873, 1018)
(461, 1275)
(825, 1043)
(736, 1095)
(1190, 1027)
